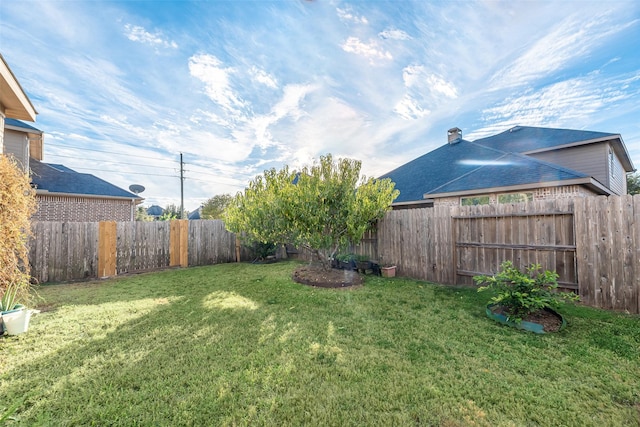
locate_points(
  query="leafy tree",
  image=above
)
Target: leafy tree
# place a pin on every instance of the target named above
(214, 207)
(324, 207)
(170, 212)
(633, 183)
(141, 214)
(17, 204)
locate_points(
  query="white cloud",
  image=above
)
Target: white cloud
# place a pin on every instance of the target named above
(394, 34)
(348, 15)
(263, 77)
(417, 76)
(136, 33)
(408, 108)
(572, 103)
(209, 70)
(571, 39)
(369, 50)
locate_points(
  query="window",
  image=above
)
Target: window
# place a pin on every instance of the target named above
(472, 201)
(515, 198)
(612, 163)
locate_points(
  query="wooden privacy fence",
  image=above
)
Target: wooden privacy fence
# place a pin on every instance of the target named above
(593, 244)
(62, 251)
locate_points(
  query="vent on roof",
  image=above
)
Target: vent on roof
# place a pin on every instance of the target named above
(454, 135)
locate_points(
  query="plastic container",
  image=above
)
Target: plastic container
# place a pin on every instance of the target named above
(16, 322)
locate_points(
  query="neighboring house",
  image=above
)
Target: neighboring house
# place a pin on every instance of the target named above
(197, 214)
(520, 164)
(155, 212)
(15, 104)
(63, 194)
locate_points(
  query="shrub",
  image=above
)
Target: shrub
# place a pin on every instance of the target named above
(521, 294)
(17, 204)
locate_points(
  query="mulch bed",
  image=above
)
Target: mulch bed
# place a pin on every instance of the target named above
(550, 321)
(315, 275)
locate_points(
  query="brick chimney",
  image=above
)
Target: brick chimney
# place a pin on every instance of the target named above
(454, 135)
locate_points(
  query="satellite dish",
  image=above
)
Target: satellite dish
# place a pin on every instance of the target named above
(136, 188)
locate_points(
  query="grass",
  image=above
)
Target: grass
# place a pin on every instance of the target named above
(241, 344)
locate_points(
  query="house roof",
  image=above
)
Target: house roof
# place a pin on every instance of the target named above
(54, 178)
(529, 140)
(21, 125)
(525, 139)
(438, 167)
(495, 162)
(507, 171)
(14, 99)
(155, 210)
(195, 214)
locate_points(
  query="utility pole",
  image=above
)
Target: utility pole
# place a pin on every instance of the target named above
(181, 187)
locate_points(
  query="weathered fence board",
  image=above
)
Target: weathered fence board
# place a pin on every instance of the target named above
(60, 251)
(210, 243)
(535, 232)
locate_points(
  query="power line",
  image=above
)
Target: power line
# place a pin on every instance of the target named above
(108, 152)
(128, 173)
(117, 163)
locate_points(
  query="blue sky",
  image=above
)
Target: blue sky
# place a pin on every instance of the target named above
(122, 87)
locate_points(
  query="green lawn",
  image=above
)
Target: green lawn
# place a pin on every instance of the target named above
(241, 344)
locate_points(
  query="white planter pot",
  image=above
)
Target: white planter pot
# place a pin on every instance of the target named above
(17, 322)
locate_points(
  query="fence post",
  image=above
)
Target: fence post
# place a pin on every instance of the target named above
(107, 236)
(179, 243)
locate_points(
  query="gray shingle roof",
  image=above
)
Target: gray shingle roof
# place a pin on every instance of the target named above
(155, 210)
(488, 163)
(438, 167)
(60, 179)
(522, 139)
(506, 171)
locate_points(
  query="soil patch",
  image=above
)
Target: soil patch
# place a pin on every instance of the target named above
(549, 320)
(315, 275)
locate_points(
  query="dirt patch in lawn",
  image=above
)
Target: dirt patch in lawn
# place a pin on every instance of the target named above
(315, 275)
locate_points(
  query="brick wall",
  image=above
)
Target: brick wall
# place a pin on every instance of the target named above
(83, 209)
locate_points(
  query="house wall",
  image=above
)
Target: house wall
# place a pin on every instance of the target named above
(1, 128)
(548, 193)
(73, 208)
(617, 175)
(16, 143)
(591, 159)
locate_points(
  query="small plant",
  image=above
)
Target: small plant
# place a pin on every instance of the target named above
(521, 294)
(8, 300)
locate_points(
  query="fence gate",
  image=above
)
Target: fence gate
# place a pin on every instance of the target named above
(484, 239)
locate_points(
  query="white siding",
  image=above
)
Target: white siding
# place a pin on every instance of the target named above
(17, 144)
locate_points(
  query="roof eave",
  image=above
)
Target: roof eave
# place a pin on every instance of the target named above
(14, 99)
(587, 181)
(24, 130)
(41, 192)
(412, 202)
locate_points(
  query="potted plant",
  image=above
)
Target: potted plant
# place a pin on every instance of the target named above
(388, 271)
(15, 318)
(520, 297)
